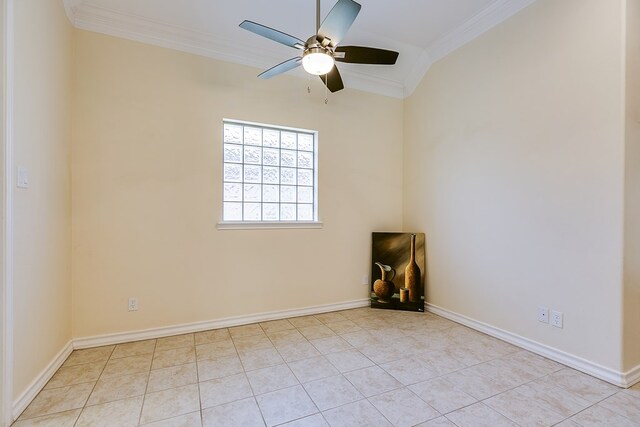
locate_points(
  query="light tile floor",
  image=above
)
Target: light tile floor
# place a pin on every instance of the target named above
(361, 367)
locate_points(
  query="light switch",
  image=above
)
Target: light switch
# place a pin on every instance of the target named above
(23, 177)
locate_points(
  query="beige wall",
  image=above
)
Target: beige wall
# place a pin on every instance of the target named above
(632, 190)
(147, 189)
(513, 162)
(513, 153)
(3, 66)
(42, 215)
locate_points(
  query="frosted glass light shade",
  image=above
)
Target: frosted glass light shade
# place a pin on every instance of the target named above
(317, 63)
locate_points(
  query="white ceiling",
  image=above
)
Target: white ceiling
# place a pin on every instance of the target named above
(423, 31)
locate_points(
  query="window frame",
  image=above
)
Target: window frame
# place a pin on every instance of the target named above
(269, 224)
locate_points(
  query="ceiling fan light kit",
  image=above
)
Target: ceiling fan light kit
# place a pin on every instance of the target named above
(320, 52)
(317, 61)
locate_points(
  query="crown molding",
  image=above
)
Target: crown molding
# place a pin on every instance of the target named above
(70, 8)
(494, 14)
(367, 83)
(113, 23)
(417, 73)
(102, 20)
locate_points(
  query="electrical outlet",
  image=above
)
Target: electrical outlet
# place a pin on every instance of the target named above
(543, 314)
(365, 279)
(557, 318)
(133, 304)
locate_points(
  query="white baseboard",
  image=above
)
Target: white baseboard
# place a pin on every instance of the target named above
(614, 377)
(117, 338)
(632, 376)
(21, 403)
(606, 374)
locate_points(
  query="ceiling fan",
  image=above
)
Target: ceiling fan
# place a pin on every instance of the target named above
(321, 51)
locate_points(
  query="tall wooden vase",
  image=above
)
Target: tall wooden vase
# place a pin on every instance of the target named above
(412, 274)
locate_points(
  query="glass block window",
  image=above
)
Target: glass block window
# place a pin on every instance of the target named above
(269, 173)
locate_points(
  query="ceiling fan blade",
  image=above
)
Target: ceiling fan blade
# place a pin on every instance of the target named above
(272, 34)
(338, 21)
(366, 55)
(282, 67)
(333, 80)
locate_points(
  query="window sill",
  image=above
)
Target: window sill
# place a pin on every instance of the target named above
(261, 225)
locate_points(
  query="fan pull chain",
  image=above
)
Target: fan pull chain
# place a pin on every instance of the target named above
(326, 89)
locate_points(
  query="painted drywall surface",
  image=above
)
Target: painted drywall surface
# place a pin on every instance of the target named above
(147, 189)
(632, 189)
(513, 162)
(42, 213)
(3, 66)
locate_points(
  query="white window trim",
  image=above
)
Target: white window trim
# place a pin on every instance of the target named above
(254, 225)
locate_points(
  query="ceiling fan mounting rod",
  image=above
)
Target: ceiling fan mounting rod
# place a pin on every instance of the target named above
(321, 51)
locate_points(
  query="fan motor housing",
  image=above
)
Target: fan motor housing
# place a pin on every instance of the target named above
(317, 49)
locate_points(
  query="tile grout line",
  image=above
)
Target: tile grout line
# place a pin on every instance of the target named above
(94, 386)
(245, 373)
(144, 396)
(195, 352)
(306, 340)
(597, 403)
(527, 383)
